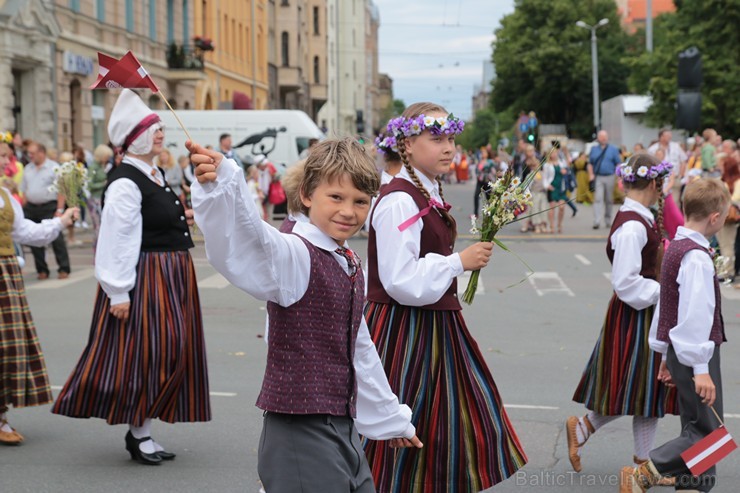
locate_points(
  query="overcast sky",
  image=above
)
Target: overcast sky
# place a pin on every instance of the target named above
(434, 49)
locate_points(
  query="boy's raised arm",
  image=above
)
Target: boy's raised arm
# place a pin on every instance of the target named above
(247, 251)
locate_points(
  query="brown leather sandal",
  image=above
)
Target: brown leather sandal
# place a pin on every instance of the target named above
(663, 481)
(9, 438)
(570, 427)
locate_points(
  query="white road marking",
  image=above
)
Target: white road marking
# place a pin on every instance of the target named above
(608, 276)
(510, 406)
(549, 282)
(582, 259)
(216, 281)
(462, 284)
(213, 394)
(529, 406)
(74, 277)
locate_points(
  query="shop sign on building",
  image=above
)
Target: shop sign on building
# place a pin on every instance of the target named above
(77, 64)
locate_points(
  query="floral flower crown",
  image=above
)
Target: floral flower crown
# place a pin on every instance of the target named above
(629, 174)
(407, 127)
(386, 143)
(6, 137)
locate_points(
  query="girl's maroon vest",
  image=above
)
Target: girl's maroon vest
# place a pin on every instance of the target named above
(436, 237)
(669, 292)
(649, 252)
(310, 352)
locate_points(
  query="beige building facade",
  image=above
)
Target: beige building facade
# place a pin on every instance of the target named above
(28, 32)
(301, 32)
(237, 75)
(147, 28)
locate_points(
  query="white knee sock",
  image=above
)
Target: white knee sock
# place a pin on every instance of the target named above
(643, 431)
(596, 420)
(5, 427)
(143, 431)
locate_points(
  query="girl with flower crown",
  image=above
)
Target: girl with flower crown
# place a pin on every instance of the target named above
(621, 377)
(432, 362)
(23, 378)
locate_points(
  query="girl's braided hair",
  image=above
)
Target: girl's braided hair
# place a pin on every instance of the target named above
(414, 111)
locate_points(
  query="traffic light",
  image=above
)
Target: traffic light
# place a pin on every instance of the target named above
(688, 99)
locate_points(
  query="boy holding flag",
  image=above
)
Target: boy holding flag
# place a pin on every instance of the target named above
(688, 330)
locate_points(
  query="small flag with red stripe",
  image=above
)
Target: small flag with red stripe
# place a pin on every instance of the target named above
(708, 451)
(126, 72)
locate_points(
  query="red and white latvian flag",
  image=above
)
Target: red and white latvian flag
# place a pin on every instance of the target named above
(126, 72)
(708, 451)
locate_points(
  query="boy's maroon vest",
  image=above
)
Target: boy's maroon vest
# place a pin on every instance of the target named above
(669, 292)
(649, 252)
(310, 352)
(436, 237)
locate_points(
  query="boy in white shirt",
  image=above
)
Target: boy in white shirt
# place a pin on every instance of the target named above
(324, 382)
(688, 330)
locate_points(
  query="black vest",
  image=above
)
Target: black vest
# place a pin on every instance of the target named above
(164, 228)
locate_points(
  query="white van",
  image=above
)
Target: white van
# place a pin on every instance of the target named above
(279, 134)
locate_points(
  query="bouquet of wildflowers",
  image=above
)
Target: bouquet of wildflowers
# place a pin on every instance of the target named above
(70, 181)
(508, 197)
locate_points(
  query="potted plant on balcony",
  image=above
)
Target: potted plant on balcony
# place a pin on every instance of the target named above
(203, 44)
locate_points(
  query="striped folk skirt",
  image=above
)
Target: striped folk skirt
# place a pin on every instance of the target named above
(23, 378)
(435, 367)
(154, 364)
(621, 377)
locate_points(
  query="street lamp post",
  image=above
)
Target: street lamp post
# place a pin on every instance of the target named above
(594, 66)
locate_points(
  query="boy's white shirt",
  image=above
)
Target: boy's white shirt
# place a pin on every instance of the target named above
(407, 278)
(696, 302)
(273, 266)
(628, 241)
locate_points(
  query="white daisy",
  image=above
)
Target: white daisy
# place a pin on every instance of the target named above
(642, 171)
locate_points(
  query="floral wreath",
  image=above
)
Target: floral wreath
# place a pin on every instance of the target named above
(6, 137)
(629, 174)
(386, 143)
(407, 127)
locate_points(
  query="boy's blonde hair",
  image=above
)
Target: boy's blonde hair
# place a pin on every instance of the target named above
(705, 197)
(291, 182)
(334, 158)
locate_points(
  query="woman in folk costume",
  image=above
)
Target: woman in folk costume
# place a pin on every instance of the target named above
(23, 378)
(432, 361)
(621, 377)
(146, 356)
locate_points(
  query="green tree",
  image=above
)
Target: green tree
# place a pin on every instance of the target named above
(485, 128)
(710, 25)
(543, 61)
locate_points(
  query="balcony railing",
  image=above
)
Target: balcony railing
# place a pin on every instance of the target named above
(185, 57)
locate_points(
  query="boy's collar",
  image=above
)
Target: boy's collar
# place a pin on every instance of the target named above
(691, 234)
(317, 237)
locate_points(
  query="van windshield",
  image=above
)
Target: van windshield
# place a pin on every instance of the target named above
(302, 143)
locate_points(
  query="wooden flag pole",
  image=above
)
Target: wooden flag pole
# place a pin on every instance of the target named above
(717, 415)
(176, 117)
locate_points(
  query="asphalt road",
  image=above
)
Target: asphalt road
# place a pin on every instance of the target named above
(536, 337)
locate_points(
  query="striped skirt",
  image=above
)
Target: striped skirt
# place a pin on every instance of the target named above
(621, 377)
(23, 378)
(435, 367)
(154, 364)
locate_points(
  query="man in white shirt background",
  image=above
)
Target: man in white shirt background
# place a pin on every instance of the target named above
(40, 204)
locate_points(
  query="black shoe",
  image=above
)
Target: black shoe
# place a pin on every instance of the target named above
(132, 445)
(575, 211)
(164, 455)
(596, 226)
